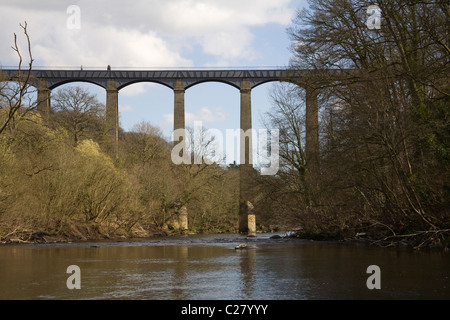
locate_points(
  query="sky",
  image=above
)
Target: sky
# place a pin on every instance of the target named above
(157, 34)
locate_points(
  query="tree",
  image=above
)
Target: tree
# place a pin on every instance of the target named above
(80, 113)
(288, 116)
(15, 96)
(164, 188)
(144, 144)
(146, 156)
(385, 136)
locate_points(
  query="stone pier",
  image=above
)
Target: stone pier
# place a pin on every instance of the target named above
(247, 220)
(112, 114)
(178, 110)
(312, 133)
(183, 219)
(43, 98)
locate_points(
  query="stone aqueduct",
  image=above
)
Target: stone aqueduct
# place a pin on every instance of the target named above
(180, 80)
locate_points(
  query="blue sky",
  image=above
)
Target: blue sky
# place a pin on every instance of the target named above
(158, 34)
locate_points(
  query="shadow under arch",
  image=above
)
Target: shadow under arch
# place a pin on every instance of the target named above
(127, 84)
(207, 80)
(75, 80)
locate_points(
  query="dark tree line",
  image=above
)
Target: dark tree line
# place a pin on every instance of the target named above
(384, 129)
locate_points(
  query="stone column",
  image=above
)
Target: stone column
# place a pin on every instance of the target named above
(112, 114)
(245, 167)
(183, 218)
(246, 122)
(178, 117)
(312, 132)
(178, 112)
(43, 98)
(179, 123)
(251, 218)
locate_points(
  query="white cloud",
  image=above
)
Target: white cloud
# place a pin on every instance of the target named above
(229, 44)
(167, 121)
(140, 33)
(204, 115)
(125, 108)
(136, 89)
(106, 46)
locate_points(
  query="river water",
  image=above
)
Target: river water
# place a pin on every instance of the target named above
(209, 267)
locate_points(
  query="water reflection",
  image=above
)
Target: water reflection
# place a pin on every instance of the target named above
(210, 268)
(247, 274)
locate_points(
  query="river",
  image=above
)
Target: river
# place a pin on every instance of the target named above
(209, 267)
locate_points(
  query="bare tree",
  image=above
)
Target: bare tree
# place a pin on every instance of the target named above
(15, 94)
(384, 158)
(144, 144)
(79, 112)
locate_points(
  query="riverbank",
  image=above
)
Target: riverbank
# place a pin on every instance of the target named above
(83, 231)
(416, 239)
(79, 231)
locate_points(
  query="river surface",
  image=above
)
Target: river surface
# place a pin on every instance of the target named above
(209, 267)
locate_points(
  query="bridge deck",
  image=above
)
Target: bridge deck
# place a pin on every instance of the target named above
(124, 78)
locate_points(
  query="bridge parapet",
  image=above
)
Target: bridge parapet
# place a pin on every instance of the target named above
(124, 78)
